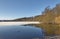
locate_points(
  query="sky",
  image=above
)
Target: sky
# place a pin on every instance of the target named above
(12, 9)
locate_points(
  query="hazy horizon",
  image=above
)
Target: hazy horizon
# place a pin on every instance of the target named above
(12, 9)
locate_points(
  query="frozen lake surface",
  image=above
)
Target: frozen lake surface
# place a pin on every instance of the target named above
(17, 23)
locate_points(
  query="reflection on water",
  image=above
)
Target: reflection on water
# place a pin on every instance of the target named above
(20, 32)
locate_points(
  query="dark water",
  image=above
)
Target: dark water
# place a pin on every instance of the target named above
(20, 32)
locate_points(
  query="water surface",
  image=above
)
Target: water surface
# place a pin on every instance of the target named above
(20, 32)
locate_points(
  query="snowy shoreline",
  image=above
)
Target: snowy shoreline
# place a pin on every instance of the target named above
(17, 23)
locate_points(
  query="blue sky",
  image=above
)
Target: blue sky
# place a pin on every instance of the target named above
(11, 9)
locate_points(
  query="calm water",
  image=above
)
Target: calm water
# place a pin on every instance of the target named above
(20, 32)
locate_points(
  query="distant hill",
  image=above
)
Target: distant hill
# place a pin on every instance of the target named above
(35, 18)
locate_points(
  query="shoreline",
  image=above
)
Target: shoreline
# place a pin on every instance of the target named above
(17, 23)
